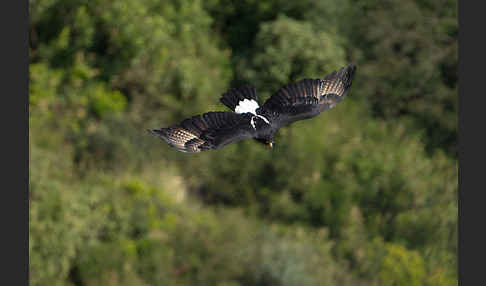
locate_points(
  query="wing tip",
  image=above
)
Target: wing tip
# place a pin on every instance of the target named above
(185, 148)
(351, 65)
(349, 74)
(345, 74)
(160, 133)
(155, 132)
(351, 69)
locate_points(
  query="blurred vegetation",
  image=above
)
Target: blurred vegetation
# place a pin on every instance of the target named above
(365, 194)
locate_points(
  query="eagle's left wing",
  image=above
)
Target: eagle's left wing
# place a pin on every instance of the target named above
(307, 98)
(211, 130)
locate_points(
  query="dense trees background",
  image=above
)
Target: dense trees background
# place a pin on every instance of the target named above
(365, 194)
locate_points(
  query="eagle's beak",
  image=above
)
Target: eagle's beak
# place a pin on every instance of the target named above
(270, 144)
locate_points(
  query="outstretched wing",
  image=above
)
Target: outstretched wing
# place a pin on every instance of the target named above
(211, 130)
(308, 98)
(241, 100)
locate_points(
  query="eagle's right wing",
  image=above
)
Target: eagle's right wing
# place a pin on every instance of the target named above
(308, 98)
(211, 130)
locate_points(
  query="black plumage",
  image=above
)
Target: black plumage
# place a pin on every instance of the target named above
(297, 101)
(210, 130)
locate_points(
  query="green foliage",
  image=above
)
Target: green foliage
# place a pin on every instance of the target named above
(102, 102)
(287, 50)
(407, 53)
(159, 61)
(44, 85)
(365, 194)
(61, 217)
(402, 267)
(133, 233)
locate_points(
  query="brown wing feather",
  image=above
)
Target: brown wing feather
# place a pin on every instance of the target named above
(176, 136)
(335, 86)
(210, 130)
(308, 97)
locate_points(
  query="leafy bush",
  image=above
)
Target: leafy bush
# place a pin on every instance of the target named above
(287, 50)
(407, 55)
(125, 232)
(402, 267)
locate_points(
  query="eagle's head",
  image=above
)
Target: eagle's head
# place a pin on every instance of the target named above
(267, 141)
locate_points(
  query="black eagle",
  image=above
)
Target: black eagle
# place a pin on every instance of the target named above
(297, 101)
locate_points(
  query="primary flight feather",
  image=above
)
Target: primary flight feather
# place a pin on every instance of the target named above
(297, 101)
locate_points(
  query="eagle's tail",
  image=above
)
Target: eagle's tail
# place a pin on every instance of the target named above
(233, 97)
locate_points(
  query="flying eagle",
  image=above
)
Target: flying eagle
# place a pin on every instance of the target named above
(297, 101)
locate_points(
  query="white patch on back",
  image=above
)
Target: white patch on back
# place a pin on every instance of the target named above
(246, 105)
